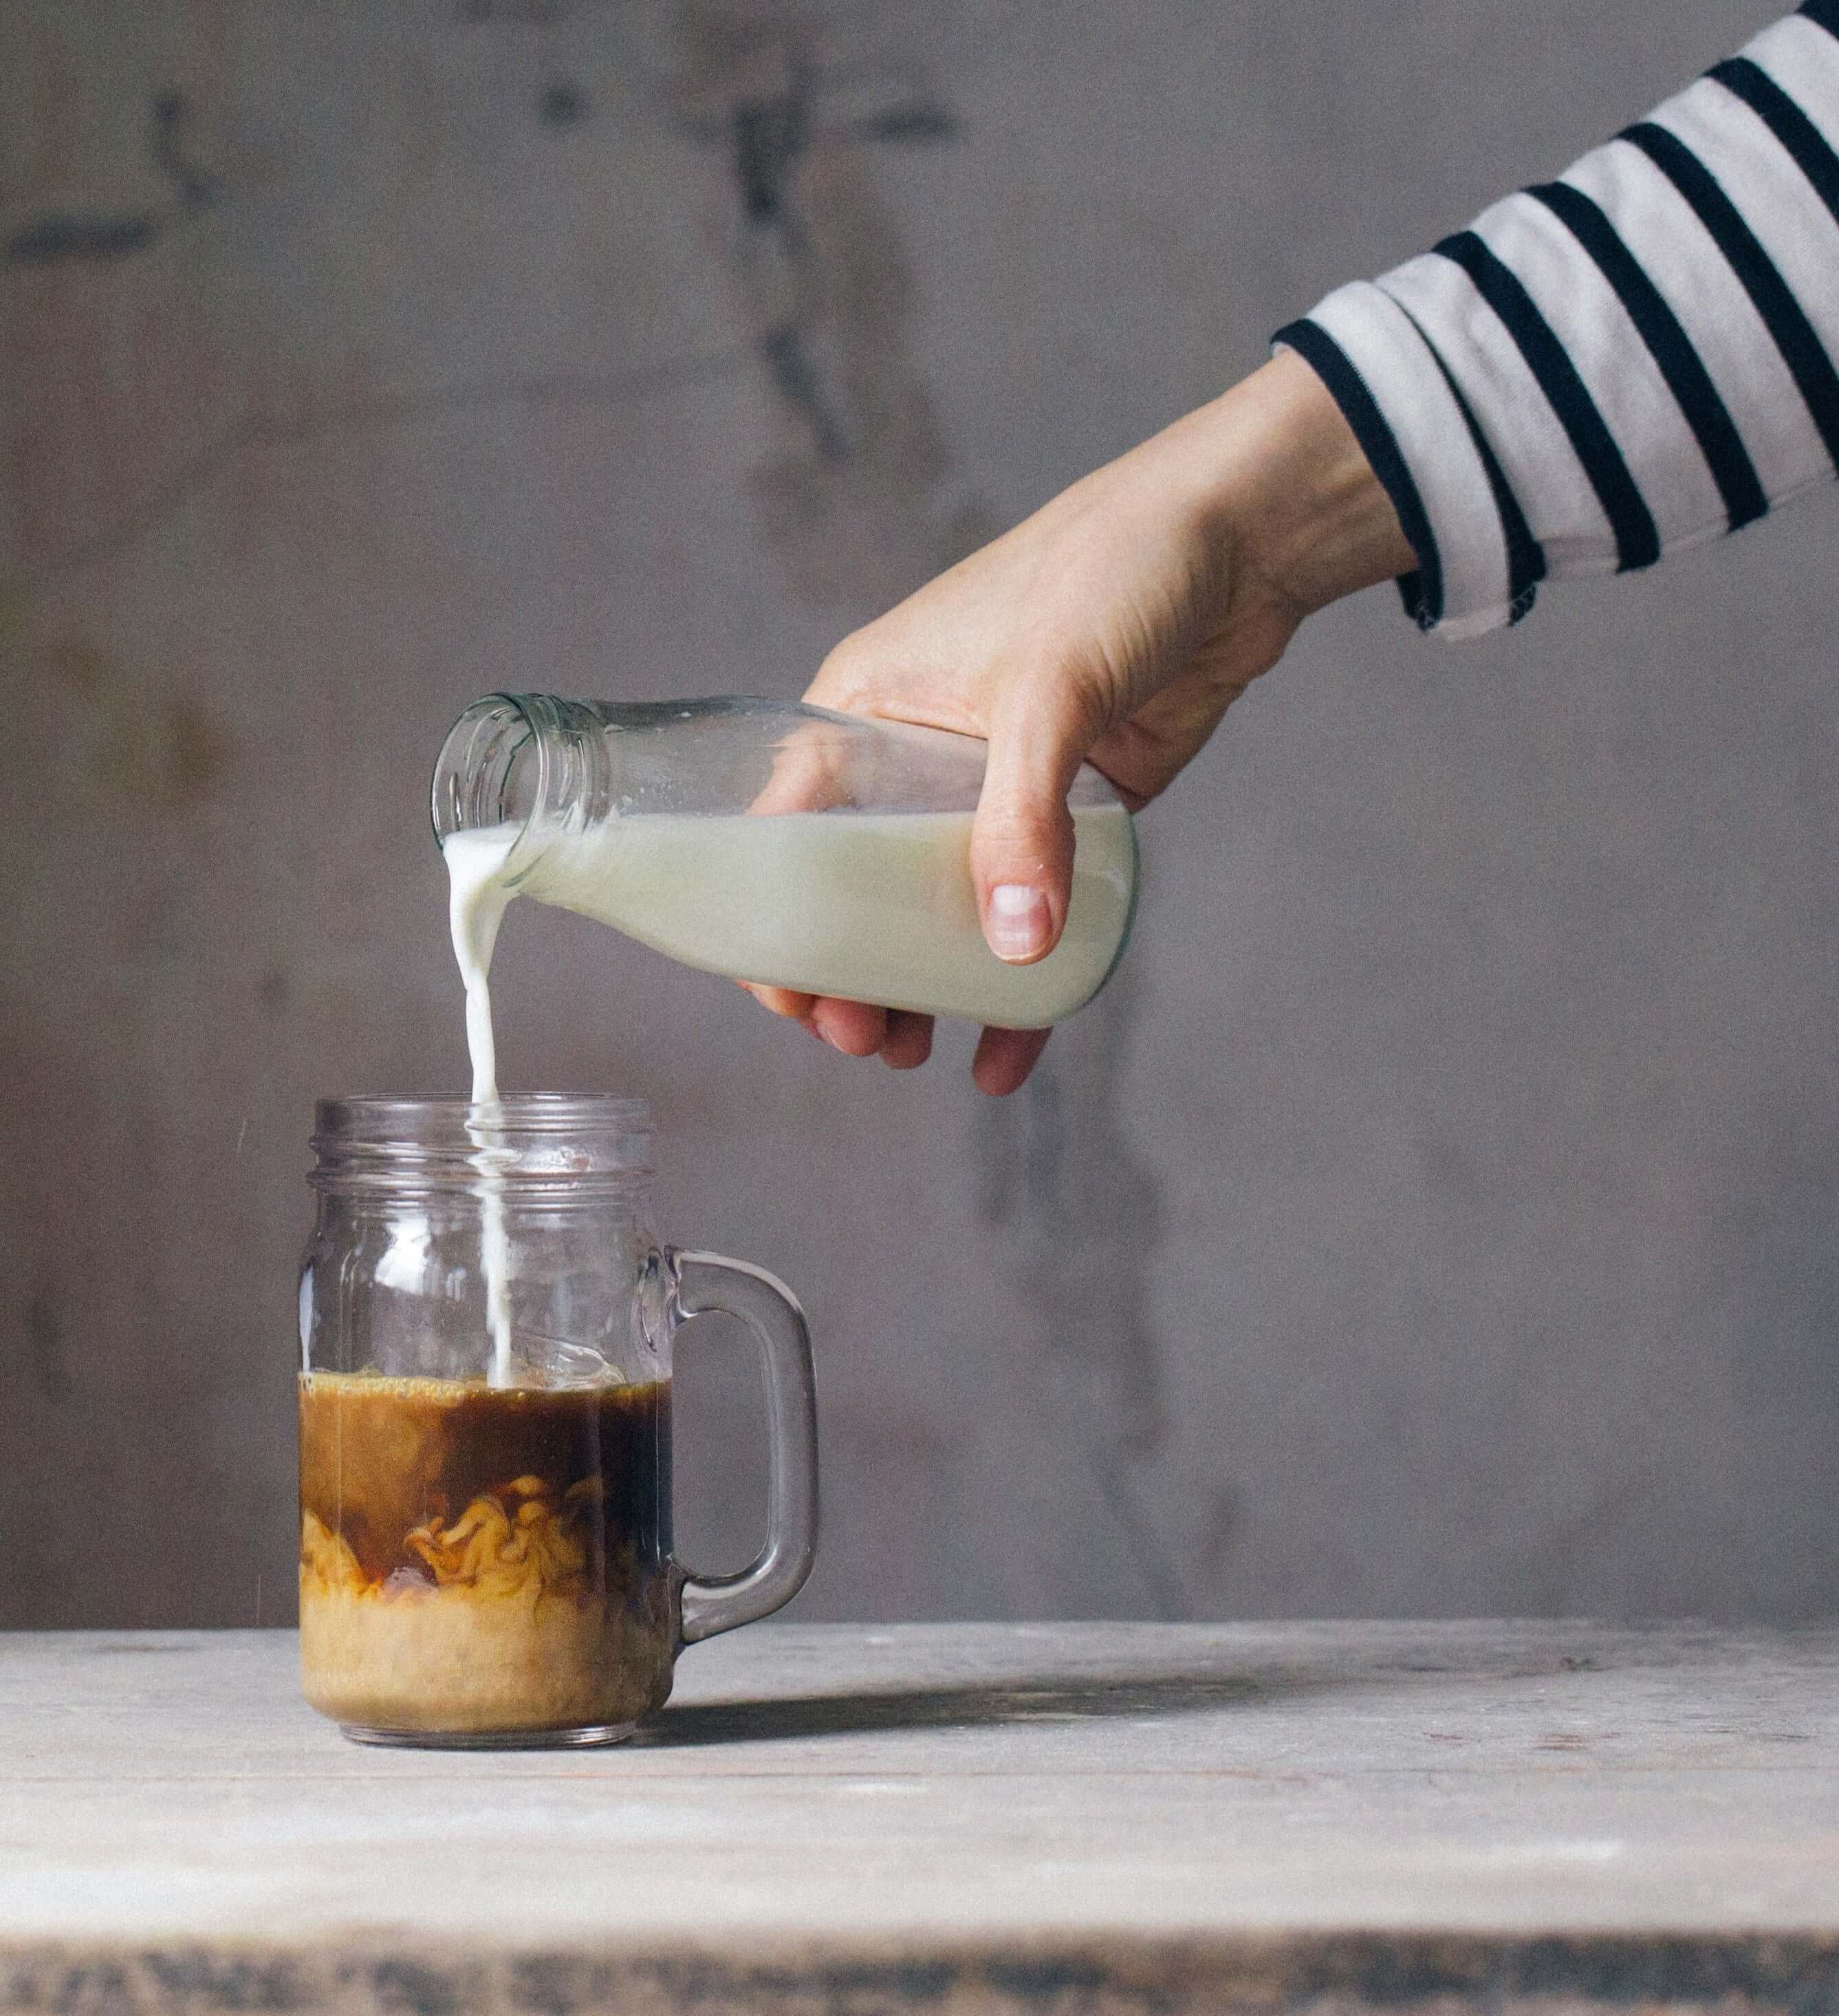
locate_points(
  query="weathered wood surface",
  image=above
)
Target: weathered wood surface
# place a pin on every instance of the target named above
(1332, 1817)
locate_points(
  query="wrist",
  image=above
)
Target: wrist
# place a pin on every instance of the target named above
(1293, 507)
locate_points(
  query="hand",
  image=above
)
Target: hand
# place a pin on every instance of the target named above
(1114, 627)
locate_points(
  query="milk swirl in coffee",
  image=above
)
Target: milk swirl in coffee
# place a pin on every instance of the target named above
(477, 1561)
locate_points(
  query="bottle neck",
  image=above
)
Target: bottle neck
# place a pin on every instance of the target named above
(528, 760)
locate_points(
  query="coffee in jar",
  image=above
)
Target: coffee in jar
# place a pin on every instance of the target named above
(478, 1560)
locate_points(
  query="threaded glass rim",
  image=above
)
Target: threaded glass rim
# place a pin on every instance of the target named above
(555, 1143)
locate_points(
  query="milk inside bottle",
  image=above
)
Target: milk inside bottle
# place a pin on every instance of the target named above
(766, 841)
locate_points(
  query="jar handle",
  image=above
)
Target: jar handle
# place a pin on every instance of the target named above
(705, 1282)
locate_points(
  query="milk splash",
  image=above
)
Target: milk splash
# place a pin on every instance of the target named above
(477, 898)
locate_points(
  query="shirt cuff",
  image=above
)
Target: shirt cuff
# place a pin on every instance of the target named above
(1424, 446)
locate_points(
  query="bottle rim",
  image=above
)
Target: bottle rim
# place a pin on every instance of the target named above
(523, 761)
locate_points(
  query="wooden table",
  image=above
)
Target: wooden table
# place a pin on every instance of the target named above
(1068, 1818)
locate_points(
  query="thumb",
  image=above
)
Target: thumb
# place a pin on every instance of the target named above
(1021, 841)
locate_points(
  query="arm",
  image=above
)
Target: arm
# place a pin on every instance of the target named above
(1631, 359)
(1625, 362)
(1115, 626)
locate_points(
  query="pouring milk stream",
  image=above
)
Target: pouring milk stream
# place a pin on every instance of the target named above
(869, 898)
(477, 896)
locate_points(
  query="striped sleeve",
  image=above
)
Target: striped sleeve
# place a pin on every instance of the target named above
(1608, 367)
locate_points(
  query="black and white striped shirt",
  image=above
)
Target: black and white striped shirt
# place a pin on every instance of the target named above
(1618, 364)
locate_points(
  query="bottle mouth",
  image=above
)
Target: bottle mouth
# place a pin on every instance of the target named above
(553, 1146)
(521, 761)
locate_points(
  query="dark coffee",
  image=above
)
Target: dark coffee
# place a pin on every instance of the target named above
(484, 1560)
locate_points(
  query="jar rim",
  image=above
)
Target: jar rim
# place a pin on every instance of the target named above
(352, 1116)
(534, 1144)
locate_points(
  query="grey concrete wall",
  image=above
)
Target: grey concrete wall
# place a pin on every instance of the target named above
(1438, 1216)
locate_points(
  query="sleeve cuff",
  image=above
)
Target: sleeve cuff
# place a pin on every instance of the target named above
(1424, 448)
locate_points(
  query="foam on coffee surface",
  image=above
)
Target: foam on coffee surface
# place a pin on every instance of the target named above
(480, 1559)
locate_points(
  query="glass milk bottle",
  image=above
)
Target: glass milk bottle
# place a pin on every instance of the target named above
(776, 843)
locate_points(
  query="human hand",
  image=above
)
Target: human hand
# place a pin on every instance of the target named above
(1114, 627)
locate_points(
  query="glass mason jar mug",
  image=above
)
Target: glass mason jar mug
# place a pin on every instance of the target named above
(486, 1318)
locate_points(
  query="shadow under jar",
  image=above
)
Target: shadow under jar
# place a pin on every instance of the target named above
(486, 1318)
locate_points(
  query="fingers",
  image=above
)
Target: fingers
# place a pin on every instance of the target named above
(780, 1000)
(1004, 1057)
(1021, 843)
(901, 1039)
(909, 1040)
(852, 1026)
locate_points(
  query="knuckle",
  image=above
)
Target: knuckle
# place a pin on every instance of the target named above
(1017, 833)
(847, 670)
